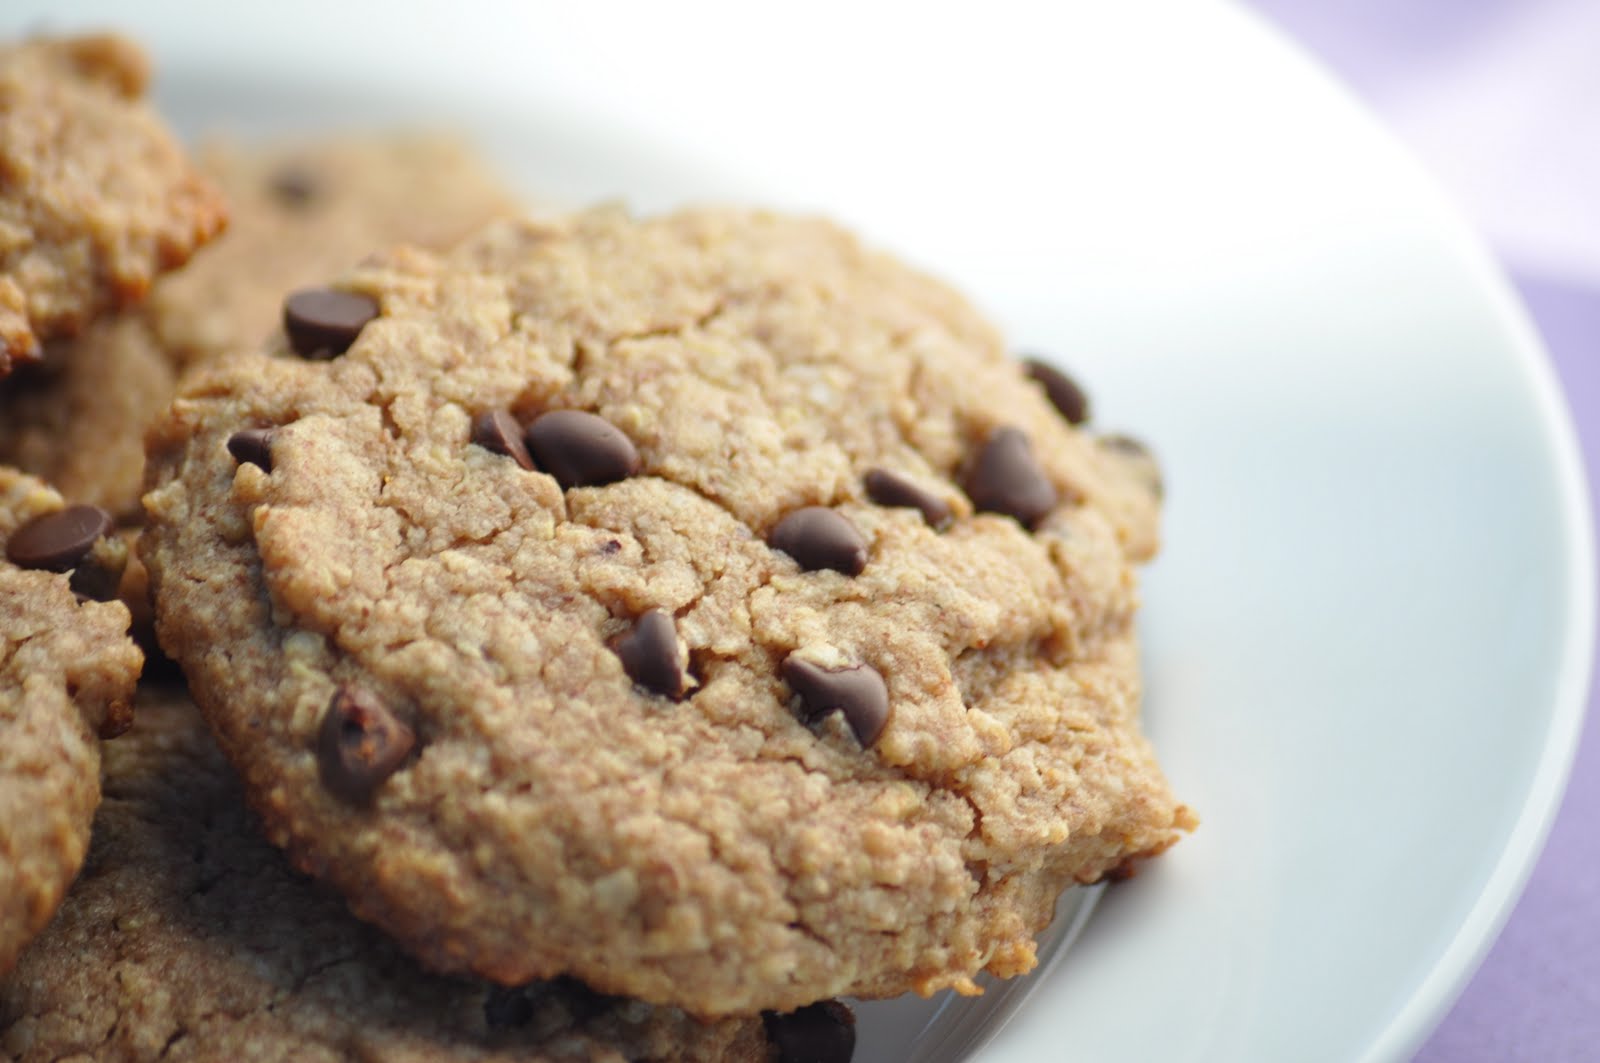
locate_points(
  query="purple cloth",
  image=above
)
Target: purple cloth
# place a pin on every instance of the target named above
(1512, 86)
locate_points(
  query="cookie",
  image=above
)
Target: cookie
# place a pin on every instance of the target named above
(304, 210)
(96, 197)
(705, 607)
(67, 672)
(77, 418)
(187, 937)
(300, 211)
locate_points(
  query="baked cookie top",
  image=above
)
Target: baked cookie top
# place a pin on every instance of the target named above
(304, 210)
(188, 937)
(96, 197)
(300, 211)
(705, 607)
(67, 671)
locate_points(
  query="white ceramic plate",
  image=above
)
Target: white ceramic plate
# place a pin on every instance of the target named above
(1369, 635)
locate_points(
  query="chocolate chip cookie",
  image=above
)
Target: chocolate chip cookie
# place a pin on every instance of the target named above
(96, 197)
(705, 607)
(187, 937)
(300, 211)
(67, 671)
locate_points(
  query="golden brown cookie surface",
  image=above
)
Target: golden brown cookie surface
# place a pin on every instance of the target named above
(96, 197)
(67, 671)
(187, 937)
(612, 598)
(301, 211)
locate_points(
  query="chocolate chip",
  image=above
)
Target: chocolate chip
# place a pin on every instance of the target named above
(890, 489)
(649, 654)
(361, 744)
(94, 581)
(57, 541)
(253, 446)
(817, 1033)
(498, 431)
(293, 186)
(580, 449)
(1006, 478)
(323, 322)
(859, 692)
(1062, 391)
(818, 537)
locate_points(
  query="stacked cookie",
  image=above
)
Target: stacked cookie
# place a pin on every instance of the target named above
(653, 628)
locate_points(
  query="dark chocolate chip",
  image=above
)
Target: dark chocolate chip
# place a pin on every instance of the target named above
(817, 1033)
(361, 744)
(95, 582)
(580, 449)
(818, 537)
(1062, 391)
(498, 431)
(253, 446)
(1006, 478)
(649, 654)
(323, 322)
(859, 692)
(293, 186)
(57, 541)
(890, 489)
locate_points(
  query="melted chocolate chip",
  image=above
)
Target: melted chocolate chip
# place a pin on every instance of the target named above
(253, 446)
(580, 449)
(818, 537)
(361, 744)
(1062, 391)
(323, 322)
(817, 1033)
(498, 431)
(890, 489)
(649, 654)
(859, 692)
(57, 542)
(293, 186)
(1006, 478)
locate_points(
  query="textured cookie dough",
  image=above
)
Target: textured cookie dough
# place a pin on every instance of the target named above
(412, 645)
(306, 210)
(67, 671)
(96, 197)
(187, 937)
(301, 211)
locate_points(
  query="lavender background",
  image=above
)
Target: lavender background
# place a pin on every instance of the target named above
(1501, 99)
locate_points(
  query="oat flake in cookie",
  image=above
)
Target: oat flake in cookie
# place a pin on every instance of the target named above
(597, 717)
(97, 199)
(67, 671)
(188, 938)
